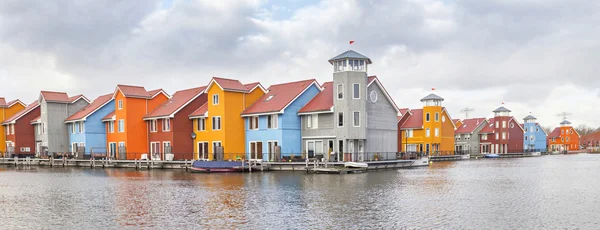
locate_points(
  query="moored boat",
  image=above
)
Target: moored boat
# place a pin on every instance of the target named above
(355, 165)
(216, 166)
(491, 155)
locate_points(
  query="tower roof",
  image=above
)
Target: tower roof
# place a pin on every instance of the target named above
(432, 96)
(350, 54)
(565, 122)
(501, 109)
(529, 117)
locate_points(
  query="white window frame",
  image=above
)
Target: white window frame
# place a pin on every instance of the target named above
(338, 119)
(200, 154)
(81, 127)
(120, 104)
(354, 113)
(409, 133)
(214, 150)
(253, 123)
(497, 136)
(355, 90)
(437, 132)
(215, 99)
(427, 132)
(427, 117)
(273, 123)
(153, 124)
(153, 149)
(73, 129)
(338, 92)
(484, 137)
(121, 127)
(201, 124)
(166, 124)
(503, 124)
(213, 123)
(437, 117)
(111, 126)
(166, 144)
(497, 124)
(503, 135)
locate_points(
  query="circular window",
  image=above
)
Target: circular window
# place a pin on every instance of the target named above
(443, 118)
(373, 96)
(512, 125)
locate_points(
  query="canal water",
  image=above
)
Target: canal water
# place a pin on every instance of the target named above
(545, 192)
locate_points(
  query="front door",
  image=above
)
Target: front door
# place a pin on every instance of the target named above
(202, 150)
(38, 148)
(329, 148)
(361, 150)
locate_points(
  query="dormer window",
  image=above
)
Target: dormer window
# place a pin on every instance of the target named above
(269, 97)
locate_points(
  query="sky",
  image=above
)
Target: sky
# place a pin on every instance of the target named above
(537, 57)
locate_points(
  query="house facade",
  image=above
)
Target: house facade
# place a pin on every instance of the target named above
(535, 137)
(218, 125)
(169, 127)
(591, 140)
(55, 107)
(466, 136)
(430, 129)
(20, 136)
(564, 138)
(7, 110)
(87, 134)
(126, 130)
(503, 134)
(355, 115)
(272, 125)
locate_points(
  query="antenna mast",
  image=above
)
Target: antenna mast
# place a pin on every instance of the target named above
(466, 111)
(564, 115)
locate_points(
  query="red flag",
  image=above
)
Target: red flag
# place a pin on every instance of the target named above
(351, 41)
(503, 103)
(432, 88)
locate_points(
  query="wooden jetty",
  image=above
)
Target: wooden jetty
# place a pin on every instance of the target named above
(450, 157)
(97, 163)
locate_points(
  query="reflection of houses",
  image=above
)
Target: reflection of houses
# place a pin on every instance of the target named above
(55, 107)
(7, 110)
(430, 129)
(564, 138)
(169, 127)
(353, 115)
(503, 134)
(273, 120)
(466, 136)
(535, 136)
(591, 140)
(20, 137)
(86, 130)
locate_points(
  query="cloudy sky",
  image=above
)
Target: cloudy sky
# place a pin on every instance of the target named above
(535, 56)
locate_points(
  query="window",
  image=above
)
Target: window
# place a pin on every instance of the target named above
(81, 127)
(167, 147)
(537, 129)
(468, 136)
(111, 127)
(166, 124)
(253, 123)
(154, 148)
(503, 124)
(457, 137)
(201, 124)
(373, 96)
(356, 119)
(341, 119)
(562, 132)
(427, 117)
(73, 128)
(526, 138)
(409, 133)
(215, 145)
(153, 126)
(497, 124)
(484, 137)
(525, 129)
(121, 127)
(437, 132)
(427, 133)
(532, 138)
(120, 104)
(272, 145)
(437, 117)
(356, 91)
(203, 150)
(272, 121)
(38, 127)
(340, 91)
(571, 131)
(567, 139)
(312, 121)
(503, 135)
(216, 123)
(512, 125)
(497, 136)
(215, 99)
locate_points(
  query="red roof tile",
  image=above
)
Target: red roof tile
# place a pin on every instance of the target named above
(403, 111)
(11, 103)
(18, 115)
(278, 97)
(469, 125)
(200, 111)
(56, 96)
(2, 102)
(555, 133)
(230, 84)
(415, 120)
(179, 99)
(109, 116)
(89, 109)
(323, 101)
(134, 91)
(488, 128)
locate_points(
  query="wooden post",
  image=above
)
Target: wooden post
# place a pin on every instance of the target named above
(16, 160)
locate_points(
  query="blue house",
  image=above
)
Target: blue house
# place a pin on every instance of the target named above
(535, 137)
(87, 133)
(272, 124)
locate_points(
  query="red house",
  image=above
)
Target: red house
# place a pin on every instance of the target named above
(169, 127)
(503, 134)
(20, 135)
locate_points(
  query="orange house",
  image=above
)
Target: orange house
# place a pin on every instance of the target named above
(126, 131)
(7, 110)
(564, 138)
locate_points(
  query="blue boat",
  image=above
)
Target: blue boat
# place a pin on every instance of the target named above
(491, 155)
(217, 166)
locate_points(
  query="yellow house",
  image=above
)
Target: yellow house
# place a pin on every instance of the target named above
(7, 110)
(428, 130)
(218, 123)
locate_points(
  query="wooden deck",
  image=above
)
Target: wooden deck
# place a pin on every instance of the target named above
(97, 163)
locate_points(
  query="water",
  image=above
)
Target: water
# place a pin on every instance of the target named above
(526, 193)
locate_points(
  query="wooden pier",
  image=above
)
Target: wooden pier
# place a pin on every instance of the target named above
(97, 163)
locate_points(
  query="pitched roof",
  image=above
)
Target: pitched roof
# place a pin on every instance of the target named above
(228, 84)
(529, 117)
(200, 112)
(565, 122)
(279, 97)
(455, 120)
(61, 97)
(11, 103)
(109, 116)
(415, 121)
(403, 111)
(501, 109)
(176, 102)
(138, 91)
(488, 128)
(469, 125)
(372, 79)
(554, 133)
(91, 108)
(36, 120)
(591, 137)
(2, 102)
(322, 102)
(350, 54)
(432, 96)
(21, 113)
